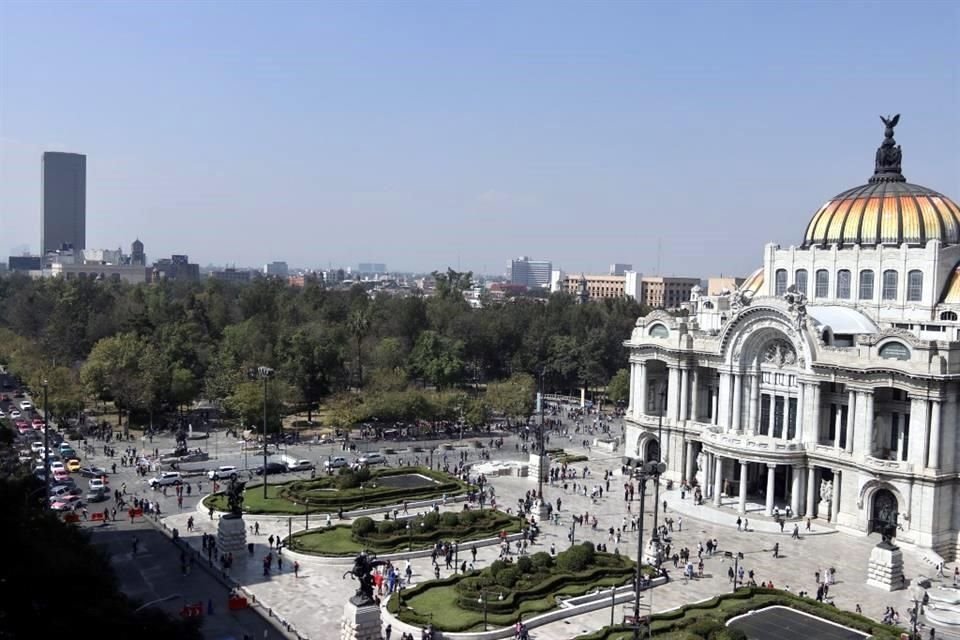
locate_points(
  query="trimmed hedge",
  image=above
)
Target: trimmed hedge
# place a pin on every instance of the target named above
(704, 616)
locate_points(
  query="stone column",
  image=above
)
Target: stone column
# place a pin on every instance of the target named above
(801, 411)
(837, 425)
(641, 407)
(772, 414)
(868, 423)
(771, 484)
(632, 399)
(811, 492)
(673, 386)
(753, 412)
(717, 479)
(835, 504)
(715, 406)
(689, 470)
(742, 505)
(813, 433)
(933, 453)
(694, 395)
(723, 401)
(796, 486)
(851, 421)
(684, 392)
(737, 402)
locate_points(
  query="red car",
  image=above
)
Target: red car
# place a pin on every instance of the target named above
(37, 423)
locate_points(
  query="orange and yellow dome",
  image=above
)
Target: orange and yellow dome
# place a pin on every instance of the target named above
(885, 213)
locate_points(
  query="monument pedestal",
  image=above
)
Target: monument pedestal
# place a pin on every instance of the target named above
(885, 568)
(652, 551)
(823, 510)
(232, 535)
(360, 622)
(539, 467)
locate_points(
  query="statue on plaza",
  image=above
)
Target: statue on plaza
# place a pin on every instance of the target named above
(235, 497)
(363, 566)
(826, 490)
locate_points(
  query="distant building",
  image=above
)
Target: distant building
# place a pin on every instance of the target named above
(64, 222)
(717, 285)
(137, 256)
(25, 263)
(556, 280)
(531, 273)
(599, 286)
(132, 274)
(371, 267)
(231, 274)
(666, 292)
(276, 269)
(176, 267)
(620, 268)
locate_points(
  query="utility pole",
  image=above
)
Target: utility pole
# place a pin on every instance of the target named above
(46, 442)
(655, 536)
(649, 470)
(264, 373)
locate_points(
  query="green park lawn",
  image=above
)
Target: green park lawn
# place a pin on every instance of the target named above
(451, 604)
(339, 540)
(329, 494)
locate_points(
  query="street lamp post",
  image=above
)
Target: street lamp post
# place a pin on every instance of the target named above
(456, 556)
(409, 537)
(573, 529)
(46, 442)
(264, 373)
(917, 594)
(483, 601)
(655, 536)
(649, 470)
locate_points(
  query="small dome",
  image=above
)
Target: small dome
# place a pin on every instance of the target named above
(886, 210)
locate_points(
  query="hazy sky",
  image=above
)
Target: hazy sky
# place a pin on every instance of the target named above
(428, 134)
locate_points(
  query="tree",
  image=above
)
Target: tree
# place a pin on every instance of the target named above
(437, 359)
(247, 402)
(312, 362)
(359, 325)
(514, 397)
(127, 370)
(618, 390)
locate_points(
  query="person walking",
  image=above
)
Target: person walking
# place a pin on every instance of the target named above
(796, 532)
(296, 569)
(135, 543)
(739, 523)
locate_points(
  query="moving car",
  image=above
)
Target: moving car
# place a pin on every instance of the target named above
(93, 472)
(335, 462)
(165, 479)
(97, 483)
(97, 495)
(73, 465)
(26, 405)
(372, 458)
(300, 465)
(222, 473)
(59, 474)
(15, 414)
(272, 468)
(67, 503)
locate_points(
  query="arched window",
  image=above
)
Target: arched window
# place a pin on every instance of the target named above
(659, 331)
(843, 284)
(948, 315)
(914, 285)
(889, 284)
(822, 283)
(780, 282)
(866, 285)
(800, 279)
(895, 351)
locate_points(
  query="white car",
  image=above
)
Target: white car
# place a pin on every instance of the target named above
(15, 414)
(166, 478)
(300, 465)
(97, 484)
(25, 405)
(57, 466)
(2, 414)
(335, 462)
(36, 447)
(371, 459)
(222, 473)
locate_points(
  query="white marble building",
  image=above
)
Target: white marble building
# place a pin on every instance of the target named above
(829, 382)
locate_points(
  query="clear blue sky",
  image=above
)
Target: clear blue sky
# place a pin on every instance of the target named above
(427, 134)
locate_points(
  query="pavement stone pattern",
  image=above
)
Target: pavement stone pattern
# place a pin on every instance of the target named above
(313, 602)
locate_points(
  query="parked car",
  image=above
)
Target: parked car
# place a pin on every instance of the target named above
(56, 465)
(223, 473)
(97, 495)
(335, 462)
(14, 414)
(67, 503)
(26, 405)
(60, 475)
(37, 447)
(272, 468)
(166, 478)
(37, 423)
(372, 458)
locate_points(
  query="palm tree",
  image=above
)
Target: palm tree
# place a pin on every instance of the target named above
(359, 324)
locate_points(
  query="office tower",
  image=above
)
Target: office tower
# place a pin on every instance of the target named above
(64, 201)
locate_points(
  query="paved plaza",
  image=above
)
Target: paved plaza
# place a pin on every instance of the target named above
(312, 602)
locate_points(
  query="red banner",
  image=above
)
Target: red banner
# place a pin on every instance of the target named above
(97, 516)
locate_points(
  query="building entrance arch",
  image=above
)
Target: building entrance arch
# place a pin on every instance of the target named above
(653, 451)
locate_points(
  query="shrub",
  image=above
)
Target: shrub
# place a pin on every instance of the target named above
(449, 519)
(524, 564)
(730, 634)
(430, 521)
(363, 526)
(497, 567)
(705, 627)
(508, 577)
(386, 527)
(576, 558)
(469, 517)
(542, 560)
(351, 478)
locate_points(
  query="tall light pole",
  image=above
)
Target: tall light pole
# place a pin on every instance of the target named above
(46, 442)
(655, 536)
(540, 448)
(647, 471)
(264, 373)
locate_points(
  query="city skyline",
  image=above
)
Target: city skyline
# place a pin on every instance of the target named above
(579, 134)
